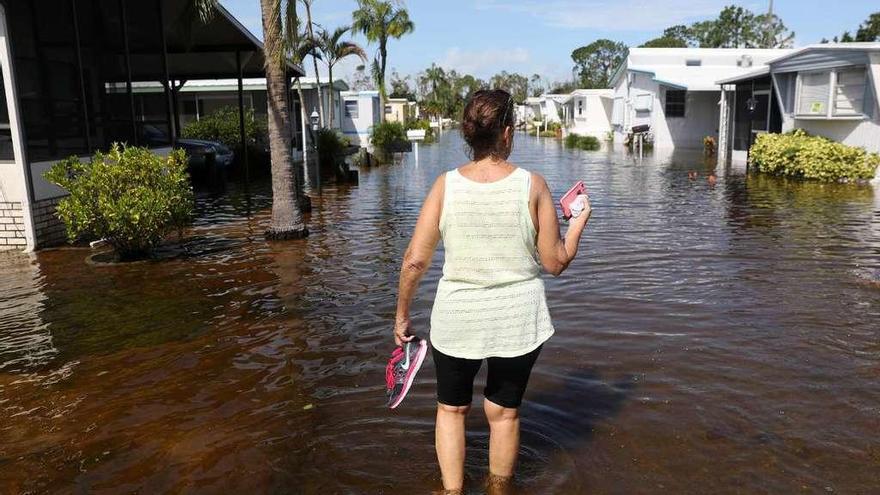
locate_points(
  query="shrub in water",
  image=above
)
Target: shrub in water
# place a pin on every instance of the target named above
(798, 154)
(388, 135)
(422, 125)
(331, 150)
(590, 143)
(129, 196)
(222, 126)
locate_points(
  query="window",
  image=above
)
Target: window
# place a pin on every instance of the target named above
(834, 93)
(388, 110)
(693, 63)
(617, 111)
(5, 130)
(643, 102)
(814, 89)
(580, 107)
(351, 109)
(849, 92)
(675, 102)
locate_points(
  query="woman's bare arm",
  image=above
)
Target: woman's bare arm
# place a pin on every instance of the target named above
(556, 253)
(417, 258)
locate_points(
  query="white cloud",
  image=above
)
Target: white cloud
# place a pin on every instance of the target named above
(485, 62)
(609, 15)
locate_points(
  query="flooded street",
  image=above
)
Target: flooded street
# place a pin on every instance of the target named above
(709, 339)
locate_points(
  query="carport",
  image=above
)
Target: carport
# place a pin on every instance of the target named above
(69, 68)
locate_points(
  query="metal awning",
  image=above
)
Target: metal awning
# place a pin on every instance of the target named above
(196, 50)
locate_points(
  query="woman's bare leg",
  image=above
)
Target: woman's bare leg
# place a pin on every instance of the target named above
(503, 438)
(449, 438)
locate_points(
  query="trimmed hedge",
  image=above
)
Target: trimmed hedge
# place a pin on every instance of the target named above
(589, 143)
(798, 154)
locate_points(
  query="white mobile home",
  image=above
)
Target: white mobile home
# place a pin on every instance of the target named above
(360, 112)
(675, 91)
(829, 90)
(590, 111)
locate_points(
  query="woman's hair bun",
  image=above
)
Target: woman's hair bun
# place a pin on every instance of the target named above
(485, 117)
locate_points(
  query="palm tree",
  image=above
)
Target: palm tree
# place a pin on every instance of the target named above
(379, 20)
(310, 28)
(335, 50)
(287, 218)
(299, 46)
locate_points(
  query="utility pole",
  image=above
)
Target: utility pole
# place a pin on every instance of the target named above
(770, 41)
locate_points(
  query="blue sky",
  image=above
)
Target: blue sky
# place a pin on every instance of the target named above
(482, 37)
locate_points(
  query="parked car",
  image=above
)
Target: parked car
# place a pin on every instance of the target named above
(200, 152)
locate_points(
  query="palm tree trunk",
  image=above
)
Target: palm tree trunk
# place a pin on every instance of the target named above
(384, 54)
(330, 109)
(308, 5)
(305, 122)
(287, 219)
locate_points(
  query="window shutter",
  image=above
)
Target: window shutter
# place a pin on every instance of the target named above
(849, 95)
(813, 98)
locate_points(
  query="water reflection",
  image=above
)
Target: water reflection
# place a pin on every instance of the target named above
(714, 337)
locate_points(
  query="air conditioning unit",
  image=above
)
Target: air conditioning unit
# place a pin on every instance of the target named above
(744, 61)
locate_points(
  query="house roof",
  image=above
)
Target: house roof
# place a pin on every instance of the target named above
(669, 66)
(857, 46)
(602, 93)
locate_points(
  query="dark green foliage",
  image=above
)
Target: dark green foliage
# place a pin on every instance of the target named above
(590, 143)
(331, 150)
(129, 196)
(222, 126)
(387, 136)
(597, 61)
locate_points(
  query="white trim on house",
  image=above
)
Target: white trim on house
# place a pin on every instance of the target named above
(20, 163)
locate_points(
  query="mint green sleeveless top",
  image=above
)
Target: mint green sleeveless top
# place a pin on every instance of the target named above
(490, 300)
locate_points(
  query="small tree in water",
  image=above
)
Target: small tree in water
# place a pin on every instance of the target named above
(129, 196)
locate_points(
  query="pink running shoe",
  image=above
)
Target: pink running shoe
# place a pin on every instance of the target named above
(402, 368)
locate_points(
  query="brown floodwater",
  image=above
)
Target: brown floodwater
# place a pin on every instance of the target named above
(710, 339)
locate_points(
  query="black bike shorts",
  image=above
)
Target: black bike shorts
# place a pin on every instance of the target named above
(505, 384)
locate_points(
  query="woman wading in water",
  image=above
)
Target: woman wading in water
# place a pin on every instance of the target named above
(496, 221)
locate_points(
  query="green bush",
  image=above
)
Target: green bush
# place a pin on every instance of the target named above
(331, 149)
(548, 134)
(223, 126)
(554, 126)
(609, 136)
(798, 154)
(590, 143)
(129, 196)
(388, 135)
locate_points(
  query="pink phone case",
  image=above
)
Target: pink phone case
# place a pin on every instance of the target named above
(569, 197)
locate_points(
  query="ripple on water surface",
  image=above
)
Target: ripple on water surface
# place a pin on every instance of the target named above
(710, 338)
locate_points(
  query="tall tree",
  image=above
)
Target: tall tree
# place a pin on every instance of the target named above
(334, 50)
(278, 19)
(515, 84)
(359, 80)
(299, 46)
(665, 42)
(310, 28)
(287, 219)
(870, 29)
(380, 20)
(400, 87)
(596, 62)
